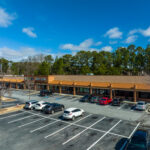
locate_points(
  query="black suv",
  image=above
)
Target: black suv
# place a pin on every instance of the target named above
(86, 98)
(139, 141)
(117, 101)
(52, 108)
(45, 93)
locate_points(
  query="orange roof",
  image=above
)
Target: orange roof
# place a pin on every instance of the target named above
(123, 85)
(12, 80)
(143, 87)
(130, 86)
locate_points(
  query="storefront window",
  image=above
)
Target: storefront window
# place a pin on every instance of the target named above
(144, 95)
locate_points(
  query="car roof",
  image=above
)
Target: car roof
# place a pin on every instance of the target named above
(41, 102)
(70, 109)
(32, 101)
(141, 102)
(53, 103)
(140, 133)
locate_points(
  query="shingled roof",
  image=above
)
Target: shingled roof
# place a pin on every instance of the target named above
(110, 79)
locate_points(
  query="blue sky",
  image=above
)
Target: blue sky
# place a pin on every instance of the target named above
(57, 27)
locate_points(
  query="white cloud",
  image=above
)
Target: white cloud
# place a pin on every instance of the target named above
(98, 43)
(114, 33)
(85, 45)
(15, 55)
(29, 32)
(133, 31)
(6, 18)
(113, 42)
(144, 32)
(106, 48)
(131, 39)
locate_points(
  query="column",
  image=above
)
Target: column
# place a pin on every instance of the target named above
(9, 85)
(16, 86)
(74, 88)
(48, 87)
(35, 87)
(60, 88)
(134, 92)
(24, 86)
(110, 91)
(90, 88)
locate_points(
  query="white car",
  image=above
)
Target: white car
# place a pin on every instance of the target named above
(72, 113)
(141, 105)
(40, 105)
(30, 104)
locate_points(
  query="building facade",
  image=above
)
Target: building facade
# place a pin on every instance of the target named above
(133, 88)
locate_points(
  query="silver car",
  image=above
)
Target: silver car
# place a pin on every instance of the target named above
(141, 105)
(30, 104)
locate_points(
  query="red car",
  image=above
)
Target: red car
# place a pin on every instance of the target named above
(105, 101)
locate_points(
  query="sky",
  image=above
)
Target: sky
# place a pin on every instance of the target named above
(58, 27)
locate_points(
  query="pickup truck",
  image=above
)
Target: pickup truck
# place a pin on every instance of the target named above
(105, 101)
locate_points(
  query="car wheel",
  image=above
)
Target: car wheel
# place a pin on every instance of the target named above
(73, 118)
(82, 114)
(52, 112)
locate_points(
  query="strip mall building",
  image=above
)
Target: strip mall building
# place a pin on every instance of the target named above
(133, 88)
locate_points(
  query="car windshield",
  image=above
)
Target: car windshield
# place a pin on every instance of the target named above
(94, 97)
(140, 103)
(38, 104)
(46, 103)
(138, 143)
(115, 100)
(66, 112)
(48, 106)
(103, 99)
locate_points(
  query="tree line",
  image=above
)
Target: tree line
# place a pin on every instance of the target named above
(129, 60)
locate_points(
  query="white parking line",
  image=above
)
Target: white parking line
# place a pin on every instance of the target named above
(65, 127)
(20, 119)
(83, 131)
(12, 115)
(30, 123)
(121, 106)
(134, 130)
(77, 125)
(103, 135)
(43, 126)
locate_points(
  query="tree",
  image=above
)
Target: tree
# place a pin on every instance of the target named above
(67, 61)
(4, 65)
(49, 59)
(43, 69)
(58, 66)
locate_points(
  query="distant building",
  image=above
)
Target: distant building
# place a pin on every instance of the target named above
(129, 87)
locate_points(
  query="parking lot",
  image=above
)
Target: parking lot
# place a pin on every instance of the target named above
(29, 129)
(35, 130)
(125, 111)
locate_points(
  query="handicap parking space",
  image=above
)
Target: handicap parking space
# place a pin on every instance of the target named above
(88, 132)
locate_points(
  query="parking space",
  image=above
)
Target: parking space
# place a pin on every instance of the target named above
(88, 132)
(11, 103)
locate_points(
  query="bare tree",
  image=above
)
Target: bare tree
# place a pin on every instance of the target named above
(3, 90)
